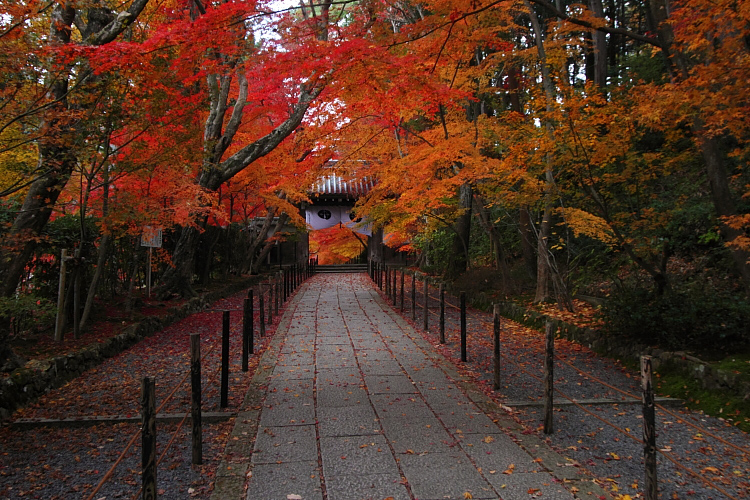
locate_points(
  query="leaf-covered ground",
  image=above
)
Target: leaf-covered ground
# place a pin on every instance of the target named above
(61, 462)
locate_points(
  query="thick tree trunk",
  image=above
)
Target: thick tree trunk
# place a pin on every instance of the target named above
(280, 223)
(458, 261)
(501, 263)
(723, 199)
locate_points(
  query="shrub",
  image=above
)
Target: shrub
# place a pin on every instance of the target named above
(686, 317)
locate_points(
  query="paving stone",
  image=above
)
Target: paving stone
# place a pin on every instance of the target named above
(371, 486)
(465, 418)
(497, 452)
(291, 372)
(277, 481)
(339, 395)
(389, 384)
(404, 406)
(416, 436)
(356, 455)
(359, 420)
(285, 444)
(444, 475)
(284, 414)
(518, 485)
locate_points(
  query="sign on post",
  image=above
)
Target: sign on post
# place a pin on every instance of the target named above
(151, 238)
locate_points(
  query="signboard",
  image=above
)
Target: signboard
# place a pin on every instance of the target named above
(151, 237)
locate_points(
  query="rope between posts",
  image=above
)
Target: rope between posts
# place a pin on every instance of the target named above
(623, 431)
(174, 434)
(614, 426)
(108, 475)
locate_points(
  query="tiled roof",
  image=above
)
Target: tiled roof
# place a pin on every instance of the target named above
(334, 185)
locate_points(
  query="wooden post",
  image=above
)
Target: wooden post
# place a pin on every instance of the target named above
(195, 385)
(286, 284)
(402, 290)
(148, 272)
(426, 300)
(247, 329)
(496, 344)
(414, 296)
(387, 282)
(261, 307)
(270, 301)
(77, 294)
(61, 297)
(549, 376)
(442, 313)
(394, 274)
(462, 303)
(225, 360)
(148, 438)
(278, 293)
(649, 429)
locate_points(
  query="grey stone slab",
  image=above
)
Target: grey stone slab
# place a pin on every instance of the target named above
(403, 406)
(296, 358)
(340, 395)
(339, 375)
(285, 444)
(280, 391)
(517, 486)
(302, 343)
(429, 374)
(285, 414)
(466, 419)
(497, 452)
(359, 420)
(356, 455)
(371, 486)
(389, 384)
(277, 481)
(416, 436)
(445, 398)
(291, 372)
(334, 340)
(444, 475)
(367, 343)
(387, 366)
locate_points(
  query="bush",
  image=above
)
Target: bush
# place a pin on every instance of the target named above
(683, 318)
(27, 313)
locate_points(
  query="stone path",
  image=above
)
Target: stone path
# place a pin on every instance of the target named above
(350, 403)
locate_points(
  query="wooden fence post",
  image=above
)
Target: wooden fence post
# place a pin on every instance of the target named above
(60, 320)
(261, 307)
(394, 274)
(649, 429)
(462, 304)
(225, 360)
(195, 397)
(549, 357)
(496, 342)
(442, 313)
(270, 301)
(148, 438)
(402, 290)
(426, 300)
(414, 296)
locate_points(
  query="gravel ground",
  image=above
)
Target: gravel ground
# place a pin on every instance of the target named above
(606, 452)
(64, 461)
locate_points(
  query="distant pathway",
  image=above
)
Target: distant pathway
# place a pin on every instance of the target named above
(351, 404)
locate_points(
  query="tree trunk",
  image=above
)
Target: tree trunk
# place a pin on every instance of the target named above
(600, 47)
(280, 223)
(501, 264)
(458, 261)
